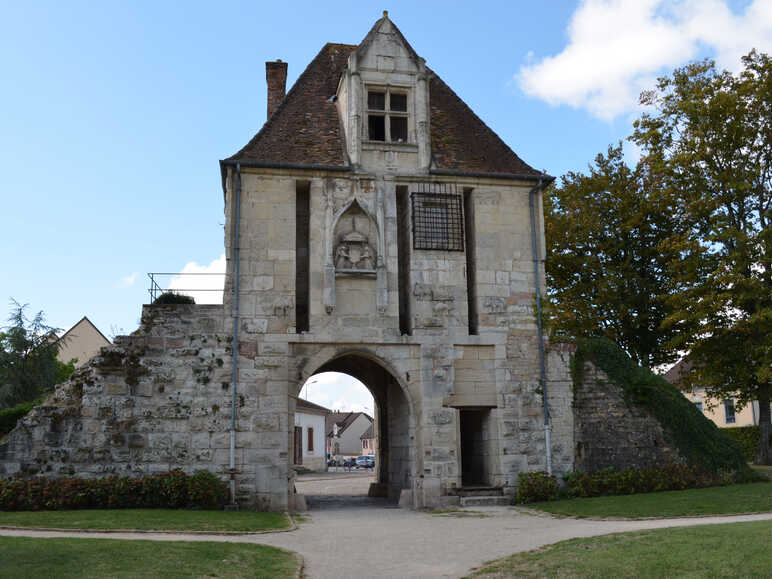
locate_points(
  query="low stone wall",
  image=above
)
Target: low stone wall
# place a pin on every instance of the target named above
(155, 400)
(609, 432)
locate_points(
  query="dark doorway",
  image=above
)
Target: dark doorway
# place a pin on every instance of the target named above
(474, 447)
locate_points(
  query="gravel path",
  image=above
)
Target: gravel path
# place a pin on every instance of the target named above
(380, 541)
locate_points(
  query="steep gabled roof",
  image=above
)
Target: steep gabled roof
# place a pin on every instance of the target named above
(368, 434)
(462, 142)
(343, 420)
(368, 39)
(85, 321)
(305, 130)
(302, 405)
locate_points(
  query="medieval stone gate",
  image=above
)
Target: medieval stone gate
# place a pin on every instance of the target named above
(374, 226)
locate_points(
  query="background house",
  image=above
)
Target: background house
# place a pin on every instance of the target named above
(81, 343)
(346, 439)
(309, 440)
(724, 413)
(368, 441)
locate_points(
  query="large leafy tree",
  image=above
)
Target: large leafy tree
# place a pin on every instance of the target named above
(608, 259)
(28, 364)
(709, 136)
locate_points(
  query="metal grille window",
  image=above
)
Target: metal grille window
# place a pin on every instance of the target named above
(438, 221)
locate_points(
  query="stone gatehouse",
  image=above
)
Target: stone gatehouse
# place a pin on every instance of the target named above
(374, 226)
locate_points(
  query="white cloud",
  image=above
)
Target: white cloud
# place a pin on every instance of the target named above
(338, 391)
(617, 48)
(205, 289)
(127, 281)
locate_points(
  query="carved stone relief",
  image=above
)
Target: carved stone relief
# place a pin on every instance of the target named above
(354, 251)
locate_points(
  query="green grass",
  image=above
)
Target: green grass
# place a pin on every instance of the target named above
(25, 557)
(764, 470)
(734, 550)
(148, 519)
(745, 498)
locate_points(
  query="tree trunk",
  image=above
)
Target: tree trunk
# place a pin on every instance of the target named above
(765, 428)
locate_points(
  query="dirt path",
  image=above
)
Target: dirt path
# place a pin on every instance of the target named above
(381, 541)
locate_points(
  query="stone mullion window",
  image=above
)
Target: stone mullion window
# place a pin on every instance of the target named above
(387, 116)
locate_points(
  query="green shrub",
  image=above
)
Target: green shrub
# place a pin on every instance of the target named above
(10, 416)
(169, 490)
(697, 439)
(646, 480)
(747, 438)
(205, 490)
(536, 486)
(171, 297)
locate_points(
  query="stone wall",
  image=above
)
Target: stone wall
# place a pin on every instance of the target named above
(609, 432)
(155, 400)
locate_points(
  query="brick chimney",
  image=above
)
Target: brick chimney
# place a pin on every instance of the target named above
(276, 77)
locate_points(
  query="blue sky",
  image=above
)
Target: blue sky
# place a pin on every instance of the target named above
(113, 115)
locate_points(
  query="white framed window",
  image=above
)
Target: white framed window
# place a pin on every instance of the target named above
(729, 411)
(387, 115)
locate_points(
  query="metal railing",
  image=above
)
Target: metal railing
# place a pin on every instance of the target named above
(156, 288)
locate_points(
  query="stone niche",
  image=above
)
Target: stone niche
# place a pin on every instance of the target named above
(354, 243)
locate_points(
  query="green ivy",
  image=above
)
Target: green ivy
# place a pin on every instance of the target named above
(697, 439)
(747, 438)
(10, 416)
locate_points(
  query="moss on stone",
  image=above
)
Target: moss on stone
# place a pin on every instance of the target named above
(697, 439)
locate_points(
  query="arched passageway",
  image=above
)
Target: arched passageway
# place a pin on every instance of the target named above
(393, 424)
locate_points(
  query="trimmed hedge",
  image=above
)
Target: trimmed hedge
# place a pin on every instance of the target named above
(697, 439)
(169, 490)
(10, 416)
(747, 438)
(539, 486)
(536, 486)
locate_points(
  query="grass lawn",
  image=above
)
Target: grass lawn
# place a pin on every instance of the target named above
(763, 469)
(25, 557)
(735, 550)
(148, 519)
(745, 498)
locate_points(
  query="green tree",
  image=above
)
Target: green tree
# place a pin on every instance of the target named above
(607, 260)
(28, 364)
(709, 137)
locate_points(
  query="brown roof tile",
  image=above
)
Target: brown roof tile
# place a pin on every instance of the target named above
(462, 142)
(305, 130)
(343, 420)
(302, 404)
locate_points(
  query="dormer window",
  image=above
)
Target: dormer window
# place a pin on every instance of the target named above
(387, 116)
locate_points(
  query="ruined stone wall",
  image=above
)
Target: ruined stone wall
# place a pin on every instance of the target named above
(609, 432)
(156, 400)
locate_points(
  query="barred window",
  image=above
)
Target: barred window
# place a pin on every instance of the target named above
(438, 222)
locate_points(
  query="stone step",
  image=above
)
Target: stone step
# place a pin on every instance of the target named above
(489, 501)
(479, 491)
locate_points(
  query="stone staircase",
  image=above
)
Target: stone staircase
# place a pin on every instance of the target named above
(482, 496)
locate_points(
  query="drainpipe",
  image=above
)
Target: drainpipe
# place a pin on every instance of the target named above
(540, 338)
(236, 260)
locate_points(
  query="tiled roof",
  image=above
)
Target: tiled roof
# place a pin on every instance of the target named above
(343, 420)
(305, 130)
(302, 404)
(462, 142)
(368, 434)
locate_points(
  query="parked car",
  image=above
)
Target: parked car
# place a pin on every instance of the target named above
(366, 461)
(350, 463)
